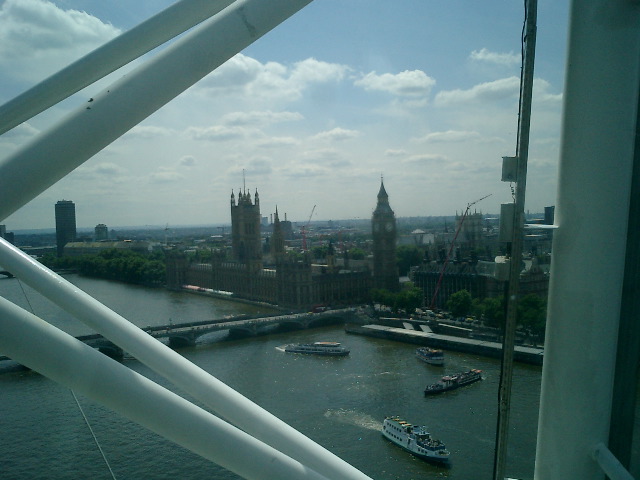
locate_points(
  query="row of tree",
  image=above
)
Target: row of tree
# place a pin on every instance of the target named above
(531, 310)
(121, 265)
(408, 299)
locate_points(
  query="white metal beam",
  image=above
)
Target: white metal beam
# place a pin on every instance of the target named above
(155, 31)
(56, 152)
(587, 265)
(221, 398)
(34, 343)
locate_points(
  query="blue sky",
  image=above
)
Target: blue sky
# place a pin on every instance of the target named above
(424, 92)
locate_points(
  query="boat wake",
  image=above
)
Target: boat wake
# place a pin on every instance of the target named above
(353, 417)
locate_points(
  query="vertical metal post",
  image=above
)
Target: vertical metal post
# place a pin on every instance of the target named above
(628, 351)
(508, 343)
(588, 261)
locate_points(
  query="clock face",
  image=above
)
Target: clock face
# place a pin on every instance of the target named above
(388, 226)
(376, 227)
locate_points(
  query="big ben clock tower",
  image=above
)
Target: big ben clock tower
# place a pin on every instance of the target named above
(383, 224)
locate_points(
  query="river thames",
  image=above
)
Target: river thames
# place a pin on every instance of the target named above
(339, 402)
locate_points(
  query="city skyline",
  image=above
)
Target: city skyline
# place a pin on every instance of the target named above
(362, 92)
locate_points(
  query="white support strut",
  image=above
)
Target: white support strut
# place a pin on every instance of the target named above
(33, 342)
(216, 395)
(56, 152)
(155, 31)
(588, 261)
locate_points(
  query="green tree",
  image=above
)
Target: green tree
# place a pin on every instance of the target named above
(356, 253)
(112, 264)
(532, 313)
(408, 256)
(319, 251)
(409, 299)
(493, 312)
(459, 304)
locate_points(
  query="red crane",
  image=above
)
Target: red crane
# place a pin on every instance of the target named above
(446, 261)
(304, 230)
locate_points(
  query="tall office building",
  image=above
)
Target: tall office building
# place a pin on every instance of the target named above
(65, 224)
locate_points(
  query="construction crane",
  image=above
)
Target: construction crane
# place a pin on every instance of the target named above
(446, 261)
(304, 230)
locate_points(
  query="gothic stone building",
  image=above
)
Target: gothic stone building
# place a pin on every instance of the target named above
(291, 282)
(475, 277)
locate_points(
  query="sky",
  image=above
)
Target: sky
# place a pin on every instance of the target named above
(423, 93)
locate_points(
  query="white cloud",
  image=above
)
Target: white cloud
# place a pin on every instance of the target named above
(449, 136)
(395, 152)
(165, 176)
(38, 38)
(311, 71)
(336, 135)
(242, 75)
(215, 133)
(149, 132)
(413, 83)
(106, 171)
(426, 159)
(21, 132)
(274, 142)
(541, 93)
(260, 118)
(484, 55)
(483, 92)
(322, 158)
(306, 171)
(187, 161)
(255, 166)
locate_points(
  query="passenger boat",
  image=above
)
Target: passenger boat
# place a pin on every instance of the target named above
(415, 439)
(317, 348)
(430, 355)
(451, 382)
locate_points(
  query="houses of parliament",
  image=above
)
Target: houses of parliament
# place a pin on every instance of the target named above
(289, 280)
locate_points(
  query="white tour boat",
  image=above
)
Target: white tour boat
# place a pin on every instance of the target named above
(430, 355)
(415, 439)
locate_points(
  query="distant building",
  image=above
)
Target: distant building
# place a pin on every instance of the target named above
(287, 228)
(8, 236)
(478, 278)
(77, 249)
(65, 211)
(277, 237)
(471, 229)
(246, 241)
(549, 215)
(290, 280)
(101, 232)
(417, 238)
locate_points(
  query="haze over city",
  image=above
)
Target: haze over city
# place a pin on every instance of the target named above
(422, 92)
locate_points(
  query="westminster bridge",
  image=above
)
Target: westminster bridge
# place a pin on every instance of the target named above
(180, 335)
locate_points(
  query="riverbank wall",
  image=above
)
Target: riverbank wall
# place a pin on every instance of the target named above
(425, 337)
(232, 298)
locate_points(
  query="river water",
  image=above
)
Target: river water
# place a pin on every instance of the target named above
(339, 402)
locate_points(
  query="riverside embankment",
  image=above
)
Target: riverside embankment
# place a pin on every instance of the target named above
(419, 333)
